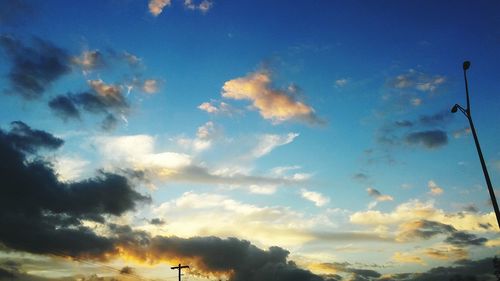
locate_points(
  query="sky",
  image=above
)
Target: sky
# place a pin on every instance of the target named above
(250, 140)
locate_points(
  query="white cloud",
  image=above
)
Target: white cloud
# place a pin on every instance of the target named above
(150, 86)
(268, 142)
(205, 136)
(204, 5)
(138, 152)
(434, 188)
(339, 83)
(194, 214)
(419, 81)
(263, 189)
(70, 168)
(221, 108)
(157, 6)
(317, 198)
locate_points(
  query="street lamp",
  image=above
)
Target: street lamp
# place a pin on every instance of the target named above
(466, 113)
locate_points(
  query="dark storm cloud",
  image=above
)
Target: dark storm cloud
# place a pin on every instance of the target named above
(64, 107)
(461, 238)
(23, 138)
(71, 105)
(33, 68)
(215, 255)
(428, 139)
(480, 270)
(425, 229)
(40, 214)
(89, 102)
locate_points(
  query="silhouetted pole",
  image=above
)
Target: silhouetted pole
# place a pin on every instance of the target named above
(180, 267)
(467, 114)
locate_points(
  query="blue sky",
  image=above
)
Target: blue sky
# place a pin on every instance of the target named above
(321, 127)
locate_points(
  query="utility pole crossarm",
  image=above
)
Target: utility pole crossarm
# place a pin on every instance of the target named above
(179, 267)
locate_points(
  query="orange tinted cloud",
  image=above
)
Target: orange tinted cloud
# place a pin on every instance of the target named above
(273, 104)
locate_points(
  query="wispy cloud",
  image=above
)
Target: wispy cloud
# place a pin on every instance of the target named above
(267, 143)
(434, 189)
(420, 81)
(203, 6)
(317, 198)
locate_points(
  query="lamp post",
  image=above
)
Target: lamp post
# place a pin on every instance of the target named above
(467, 114)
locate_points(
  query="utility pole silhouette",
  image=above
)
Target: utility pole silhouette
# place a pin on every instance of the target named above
(179, 267)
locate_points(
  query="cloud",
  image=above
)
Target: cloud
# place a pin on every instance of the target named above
(317, 198)
(461, 132)
(434, 188)
(267, 143)
(138, 154)
(205, 136)
(40, 214)
(416, 210)
(157, 6)
(378, 196)
(105, 99)
(340, 83)
(344, 268)
(64, 107)
(70, 168)
(221, 108)
(34, 68)
(273, 104)
(110, 95)
(212, 256)
(465, 239)
(25, 139)
(89, 60)
(446, 253)
(150, 86)
(361, 177)
(407, 258)
(418, 81)
(204, 5)
(429, 139)
(425, 131)
(195, 214)
(422, 229)
(436, 119)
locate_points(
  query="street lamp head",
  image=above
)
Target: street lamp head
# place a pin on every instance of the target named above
(454, 108)
(466, 65)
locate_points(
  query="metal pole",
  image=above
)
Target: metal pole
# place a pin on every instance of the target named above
(478, 147)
